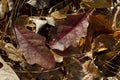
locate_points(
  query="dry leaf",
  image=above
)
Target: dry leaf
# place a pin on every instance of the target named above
(107, 41)
(106, 53)
(22, 20)
(13, 53)
(97, 25)
(108, 63)
(57, 57)
(58, 15)
(73, 68)
(98, 3)
(61, 14)
(71, 30)
(34, 49)
(6, 72)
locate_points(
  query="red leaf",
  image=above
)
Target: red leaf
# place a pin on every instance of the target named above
(71, 30)
(33, 47)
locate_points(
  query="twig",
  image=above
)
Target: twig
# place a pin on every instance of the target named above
(115, 19)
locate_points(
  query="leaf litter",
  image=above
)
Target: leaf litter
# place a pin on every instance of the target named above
(73, 42)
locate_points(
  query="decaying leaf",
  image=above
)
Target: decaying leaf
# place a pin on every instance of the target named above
(61, 14)
(6, 72)
(98, 3)
(34, 49)
(97, 25)
(104, 41)
(71, 30)
(12, 52)
(106, 53)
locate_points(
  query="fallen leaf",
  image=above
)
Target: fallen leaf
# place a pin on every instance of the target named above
(71, 30)
(73, 68)
(107, 41)
(57, 57)
(106, 53)
(61, 14)
(98, 3)
(58, 15)
(12, 52)
(97, 25)
(6, 72)
(33, 47)
(68, 52)
(22, 20)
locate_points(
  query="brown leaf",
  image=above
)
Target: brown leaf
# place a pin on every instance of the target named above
(34, 49)
(73, 68)
(12, 52)
(98, 3)
(107, 41)
(57, 57)
(22, 20)
(98, 25)
(108, 63)
(61, 14)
